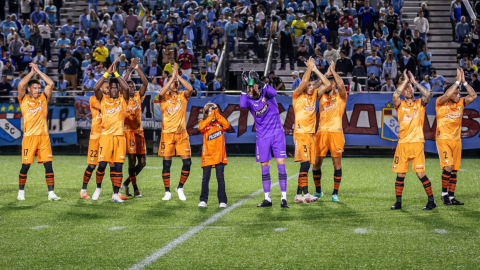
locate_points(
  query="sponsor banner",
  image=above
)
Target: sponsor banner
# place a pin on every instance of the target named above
(60, 122)
(369, 119)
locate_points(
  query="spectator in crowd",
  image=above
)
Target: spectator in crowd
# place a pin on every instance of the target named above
(462, 29)
(346, 47)
(40, 60)
(359, 55)
(308, 36)
(466, 48)
(84, 38)
(414, 50)
(115, 52)
(118, 22)
(354, 85)
(396, 45)
(137, 52)
(407, 62)
(35, 38)
(426, 82)
(388, 86)
(330, 54)
(390, 67)
(392, 21)
(464, 60)
(87, 63)
(469, 70)
(384, 10)
(333, 21)
(419, 41)
(5, 87)
(88, 84)
(476, 33)
(93, 24)
(7, 25)
(17, 80)
(185, 60)
(82, 49)
(100, 53)
(153, 70)
(275, 81)
(70, 66)
(38, 15)
(426, 12)
(299, 26)
(455, 16)
(45, 31)
(344, 65)
(153, 86)
(51, 11)
(437, 82)
(358, 40)
(424, 61)
(373, 84)
(285, 43)
(131, 22)
(374, 64)
(83, 20)
(322, 31)
(8, 70)
(475, 83)
(196, 84)
(345, 33)
(231, 28)
(377, 29)
(321, 64)
(26, 52)
(301, 56)
(27, 29)
(359, 70)
(296, 80)
(122, 65)
(405, 32)
(68, 29)
(421, 24)
(14, 49)
(204, 76)
(367, 13)
(379, 41)
(62, 45)
(347, 18)
(322, 46)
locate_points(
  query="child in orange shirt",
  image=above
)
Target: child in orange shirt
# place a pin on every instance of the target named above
(214, 155)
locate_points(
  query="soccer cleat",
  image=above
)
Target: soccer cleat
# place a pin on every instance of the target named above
(53, 197)
(284, 204)
(181, 195)
(167, 197)
(21, 195)
(335, 198)
(202, 204)
(137, 194)
(222, 205)
(84, 195)
(127, 191)
(455, 202)
(318, 195)
(309, 198)
(265, 203)
(121, 196)
(116, 198)
(397, 206)
(96, 194)
(430, 205)
(446, 200)
(299, 199)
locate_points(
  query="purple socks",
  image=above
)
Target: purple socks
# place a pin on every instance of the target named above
(266, 181)
(282, 177)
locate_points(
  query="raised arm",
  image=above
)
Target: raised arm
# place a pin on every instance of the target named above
(423, 90)
(398, 92)
(341, 86)
(204, 123)
(49, 88)
(98, 86)
(144, 80)
(22, 85)
(471, 93)
(188, 87)
(166, 87)
(123, 84)
(323, 84)
(310, 63)
(221, 120)
(450, 91)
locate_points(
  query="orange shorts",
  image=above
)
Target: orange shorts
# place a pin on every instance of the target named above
(174, 141)
(135, 142)
(36, 146)
(450, 153)
(304, 147)
(112, 148)
(92, 158)
(329, 141)
(407, 152)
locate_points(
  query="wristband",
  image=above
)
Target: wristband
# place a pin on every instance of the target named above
(116, 74)
(457, 83)
(465, 84)
(105, 75)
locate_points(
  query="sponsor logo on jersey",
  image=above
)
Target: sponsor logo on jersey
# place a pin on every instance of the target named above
(329, 108)
(409, 117)
(453, 115)
(262, 110)
(34, 110)
(174, 109)
(309, 108)
(133, 108)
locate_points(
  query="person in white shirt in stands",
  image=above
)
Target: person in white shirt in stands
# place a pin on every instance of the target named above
(388, 86)
(45, 30)
(40, 61)
(421, 24)
(330, 54)
(115, 52)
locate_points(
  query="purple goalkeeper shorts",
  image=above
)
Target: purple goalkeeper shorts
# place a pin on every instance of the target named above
(276, 143)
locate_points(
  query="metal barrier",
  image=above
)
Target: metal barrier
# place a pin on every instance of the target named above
(269, 58)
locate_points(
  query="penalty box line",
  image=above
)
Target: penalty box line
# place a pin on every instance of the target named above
(184, 237)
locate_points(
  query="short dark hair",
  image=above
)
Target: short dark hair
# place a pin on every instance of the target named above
(33, 81)
(113, 81)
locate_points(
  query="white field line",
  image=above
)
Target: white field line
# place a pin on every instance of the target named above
(184, 237)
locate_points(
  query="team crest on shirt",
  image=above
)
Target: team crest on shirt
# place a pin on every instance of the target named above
(162, 152)
(92, 160)
(394, 167)
(131, 148)
(101, 157)
(263, 99)
(305, 155)
(459, 107)
(117, 101)
(446, 161)
(390, 126)
(26, 159)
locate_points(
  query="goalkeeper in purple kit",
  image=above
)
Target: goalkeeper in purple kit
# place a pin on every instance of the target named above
(259, 98)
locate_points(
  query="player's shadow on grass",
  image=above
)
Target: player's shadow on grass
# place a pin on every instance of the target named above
(19, 205)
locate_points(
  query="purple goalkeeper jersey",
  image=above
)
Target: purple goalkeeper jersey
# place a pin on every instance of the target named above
(264, 111)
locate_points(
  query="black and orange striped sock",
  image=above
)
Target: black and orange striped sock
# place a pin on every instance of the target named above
(445, 180)
(99, 178)
(185, 171)
(86, 176)
(302, 182)
(131, 172)
(453, 185)
(304, 168)
(166, 181)
(317, 179)
(50, 179)
(427, 185)
(399, 185)
(22, 179)
(337, 179)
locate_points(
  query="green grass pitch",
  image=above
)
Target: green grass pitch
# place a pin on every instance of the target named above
(359, 232)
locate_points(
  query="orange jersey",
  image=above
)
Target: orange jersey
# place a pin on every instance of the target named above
(113, 115)
(34, 112)
(449, 119)
(214, 139)
(332, 109)
(304, 108)
(96, 128)
(411, 117)
(133, 121)
(173, 112)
